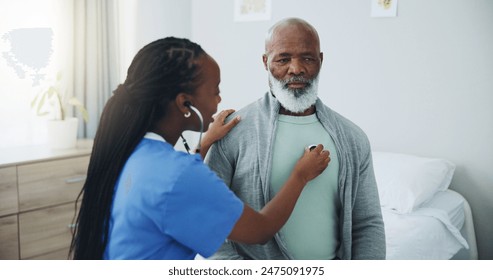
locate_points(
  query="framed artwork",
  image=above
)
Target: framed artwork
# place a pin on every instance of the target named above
(252, 10)
(383, 8)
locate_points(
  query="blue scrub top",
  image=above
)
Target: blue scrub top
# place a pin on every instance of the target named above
(169, 205)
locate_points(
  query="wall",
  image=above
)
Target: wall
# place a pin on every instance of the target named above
(148, 20)
(420, 83)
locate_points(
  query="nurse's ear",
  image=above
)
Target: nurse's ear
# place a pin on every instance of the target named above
(183, 102)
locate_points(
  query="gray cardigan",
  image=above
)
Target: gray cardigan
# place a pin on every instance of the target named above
(243, 160)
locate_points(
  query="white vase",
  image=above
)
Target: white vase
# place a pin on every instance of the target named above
(62, 134)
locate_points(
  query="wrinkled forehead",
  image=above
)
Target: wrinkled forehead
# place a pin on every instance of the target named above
(292, 36)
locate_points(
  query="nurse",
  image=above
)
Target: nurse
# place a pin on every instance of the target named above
(144, 200)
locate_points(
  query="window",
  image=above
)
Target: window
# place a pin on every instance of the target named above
(36, 42)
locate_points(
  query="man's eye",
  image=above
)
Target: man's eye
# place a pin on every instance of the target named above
(283, 60)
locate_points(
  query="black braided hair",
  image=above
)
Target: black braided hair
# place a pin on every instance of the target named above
(158, 73)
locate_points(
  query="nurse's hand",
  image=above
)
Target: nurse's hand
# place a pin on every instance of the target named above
(218, 129)
(312, 163)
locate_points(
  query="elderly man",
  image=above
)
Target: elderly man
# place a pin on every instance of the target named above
(338, 214)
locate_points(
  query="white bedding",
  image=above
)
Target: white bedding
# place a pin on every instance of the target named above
(429, 232)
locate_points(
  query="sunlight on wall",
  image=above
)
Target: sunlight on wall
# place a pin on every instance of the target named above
(35, 43)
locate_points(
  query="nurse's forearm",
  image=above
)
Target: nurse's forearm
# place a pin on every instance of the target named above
(204, 147)
(259, 227)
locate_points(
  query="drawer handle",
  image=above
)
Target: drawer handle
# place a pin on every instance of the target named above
(76, 179)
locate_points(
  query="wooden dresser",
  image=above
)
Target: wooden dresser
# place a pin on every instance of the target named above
(38, 189)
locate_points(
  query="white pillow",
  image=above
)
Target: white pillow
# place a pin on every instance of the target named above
(405, 181)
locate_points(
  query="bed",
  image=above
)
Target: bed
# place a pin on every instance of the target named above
(424, 219)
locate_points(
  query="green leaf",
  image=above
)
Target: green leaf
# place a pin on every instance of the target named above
(75, 102)
(52, 99)
(51, 91)
(34, 101)
(41, 103)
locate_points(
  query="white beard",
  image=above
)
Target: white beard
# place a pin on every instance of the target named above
(294, 100)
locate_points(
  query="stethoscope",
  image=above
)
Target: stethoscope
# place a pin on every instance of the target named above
(185, 144)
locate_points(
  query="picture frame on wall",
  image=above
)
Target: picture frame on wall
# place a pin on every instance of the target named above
(252, 10)
(384, 8)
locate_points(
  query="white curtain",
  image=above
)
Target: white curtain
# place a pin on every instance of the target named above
(97, 59)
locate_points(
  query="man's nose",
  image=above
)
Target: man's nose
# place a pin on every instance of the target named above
(296, 67)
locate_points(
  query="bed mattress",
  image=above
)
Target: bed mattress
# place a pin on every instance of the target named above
(429, 233)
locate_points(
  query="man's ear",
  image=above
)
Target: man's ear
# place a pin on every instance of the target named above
(321, 57)
(264, 59)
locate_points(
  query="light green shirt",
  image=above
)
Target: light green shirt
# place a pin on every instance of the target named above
(312, 229)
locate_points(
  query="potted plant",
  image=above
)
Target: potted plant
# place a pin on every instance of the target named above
(62, 129)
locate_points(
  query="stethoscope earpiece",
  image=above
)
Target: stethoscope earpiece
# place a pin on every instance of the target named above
(189, 105)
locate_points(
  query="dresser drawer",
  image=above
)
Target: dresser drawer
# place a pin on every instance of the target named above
(51, 182)
(9, 238)
(57, 255)
(8, 191)
(46, 231)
